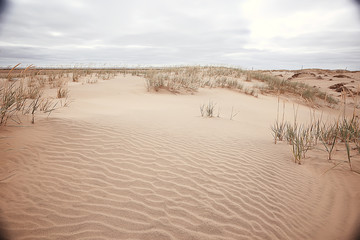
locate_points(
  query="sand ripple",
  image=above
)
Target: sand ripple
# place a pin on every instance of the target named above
(82, 181)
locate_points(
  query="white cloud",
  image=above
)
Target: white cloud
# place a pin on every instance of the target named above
(268, 24)
(246, 33)
(55, 34)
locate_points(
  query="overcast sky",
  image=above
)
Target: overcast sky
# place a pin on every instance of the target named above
(259, 34)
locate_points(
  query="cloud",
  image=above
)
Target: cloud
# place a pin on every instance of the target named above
(247, 33)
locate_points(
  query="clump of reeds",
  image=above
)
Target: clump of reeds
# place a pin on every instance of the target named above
(62, 92)
(24, 95)
(15, 99)
(8, 94)
(174, 80)
(305, 137)
(208, 110)
(329, 136)
(302, 141)
(278, 131)
(301, 137)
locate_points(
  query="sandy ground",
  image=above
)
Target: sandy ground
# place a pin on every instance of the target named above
(122, 163)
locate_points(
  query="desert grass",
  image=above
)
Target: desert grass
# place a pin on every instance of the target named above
(34, 106)
(93, 80)
(278, 131)
(304, 137)
(75, 76)
(9, 77)
(328, 136)
(190, 79)
(177, 80)
(8, 102)
(25, 95)
(208, 110)
(48, 105)
(251, 91)
(301, 137)
(34, 91)
(62, 92)
(278, 128)
(277, 85)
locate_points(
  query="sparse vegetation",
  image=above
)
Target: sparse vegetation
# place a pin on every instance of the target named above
(208, 110)
(328, 136)
(302, 138)
(186, 80)
(179, 80)
(22, 90)
(278, 131)
(62, 92)
(190, 79)
(92, 80)
(24, 94)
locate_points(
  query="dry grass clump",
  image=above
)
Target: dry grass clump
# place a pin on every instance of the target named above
(24, 96)
(8, 102)
(303, 138)
(328, 136)
(34, 89)
(92, 80)
(173, 79)
(75, 76)
(277, 85)
(55, 78)
(15, 99)
(55, 81)
(208, 110)
(62, 92)
(251, 91)
(189, 79)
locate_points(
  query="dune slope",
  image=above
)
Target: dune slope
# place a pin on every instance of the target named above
(121, 163)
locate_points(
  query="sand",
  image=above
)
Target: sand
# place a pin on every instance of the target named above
(123, 163)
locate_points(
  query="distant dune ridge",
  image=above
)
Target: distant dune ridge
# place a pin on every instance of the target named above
(122, 162)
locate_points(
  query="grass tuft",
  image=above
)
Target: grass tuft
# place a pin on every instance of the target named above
(208, 110)
(62, 92)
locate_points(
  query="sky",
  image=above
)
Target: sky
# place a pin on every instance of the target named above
(250, 34)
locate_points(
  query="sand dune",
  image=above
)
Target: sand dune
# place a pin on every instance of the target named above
(121, 163)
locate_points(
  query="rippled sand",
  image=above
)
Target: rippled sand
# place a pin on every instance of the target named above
(121, 163)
